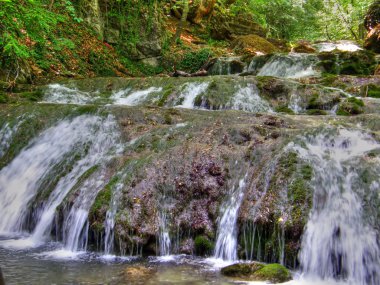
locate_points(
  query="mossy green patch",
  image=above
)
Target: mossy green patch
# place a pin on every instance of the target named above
(284, 109)
(275, 273)
(203, 245)
(351, 106)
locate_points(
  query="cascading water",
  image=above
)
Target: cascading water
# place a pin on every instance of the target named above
(59, 94)
(164, 237)
(109, 223)
(128, 98)
(190, 92)
(339, 242)
(103, 137)
(28, 169)
(248, 99)
(226, 242)
(290, 66)
(6, 134)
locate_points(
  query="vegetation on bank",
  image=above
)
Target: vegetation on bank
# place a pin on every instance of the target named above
(45, 39)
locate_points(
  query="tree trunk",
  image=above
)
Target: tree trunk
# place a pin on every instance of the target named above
(182, 22)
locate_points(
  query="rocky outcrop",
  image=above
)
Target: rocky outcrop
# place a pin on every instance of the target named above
(252, 45)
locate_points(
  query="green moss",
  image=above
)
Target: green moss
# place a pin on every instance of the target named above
(241, 269)
(3, 98)
(351, 106)
(316, 112)
(307, 172)
(373, 91)
(32, 96)
(193, 61)
(275, 273)
(313, 102)
(285, 109)
(203, 245)
(167, 92)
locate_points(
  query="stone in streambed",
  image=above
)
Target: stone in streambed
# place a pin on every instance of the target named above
(254, 271)
(138, 274)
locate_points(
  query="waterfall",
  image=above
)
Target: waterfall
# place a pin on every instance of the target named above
(226, 243)
(339, 241)
(128, 98)
(20, 180)
(59, 94)
(6, 133)
(190, 92)
(109, 223)
(290, 66)
(248, 99)
(103, 136)
(164, 237)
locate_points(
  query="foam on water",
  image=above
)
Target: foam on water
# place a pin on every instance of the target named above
(59, 94)
(190, 92)
(133, 98)
(248, 99)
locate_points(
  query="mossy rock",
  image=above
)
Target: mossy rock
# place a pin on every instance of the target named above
(349, 63)
(316, 112)
(251, 44)
(373, 91)
(351, 106)
(203, 245)
(242, 270)
(284, 109)
(275, 273)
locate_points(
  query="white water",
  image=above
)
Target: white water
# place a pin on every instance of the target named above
(59, 94)
(128, 98)
(290, 66)
(20, 180)
(226, 242)
(164, 237)
(295, 103)
(341, 45)
(191, 91)
(6, 134)
(248, 99)
(103, 136)
(338, 243)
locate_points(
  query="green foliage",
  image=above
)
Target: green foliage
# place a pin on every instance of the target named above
(203, 245)
(351, 106)
(3, 98)
(71, 11)
(276, 273)
(193, 61)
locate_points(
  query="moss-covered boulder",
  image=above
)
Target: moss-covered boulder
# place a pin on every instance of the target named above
(241, 269)
(275, 273)
(373, 91)
(351, 106)
(252, 44)
(348, 63)
(203, 245)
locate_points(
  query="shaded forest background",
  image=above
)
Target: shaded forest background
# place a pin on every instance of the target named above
(43, 39)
